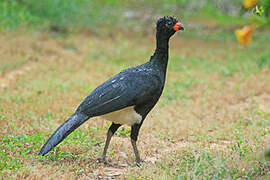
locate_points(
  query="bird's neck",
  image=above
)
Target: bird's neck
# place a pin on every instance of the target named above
(160, 57)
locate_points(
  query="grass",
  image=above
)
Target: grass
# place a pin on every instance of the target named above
(212, 121)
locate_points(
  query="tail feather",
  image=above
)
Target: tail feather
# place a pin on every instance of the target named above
(63, 131)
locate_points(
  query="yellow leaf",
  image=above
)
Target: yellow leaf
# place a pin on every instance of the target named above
(244, 35)
(248, 4)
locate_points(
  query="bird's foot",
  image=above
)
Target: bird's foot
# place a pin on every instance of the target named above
(139, 162)
(103, 159)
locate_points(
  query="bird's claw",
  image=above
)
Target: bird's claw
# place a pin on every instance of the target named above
(139, 163)
(101, 159)
(104, 161)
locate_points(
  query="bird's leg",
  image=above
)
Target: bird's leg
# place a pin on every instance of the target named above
(134, 136)
(110, 133)
(137, 155)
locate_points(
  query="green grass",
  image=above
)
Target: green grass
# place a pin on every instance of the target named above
(26, 148)
(198, 163)
(264, 60)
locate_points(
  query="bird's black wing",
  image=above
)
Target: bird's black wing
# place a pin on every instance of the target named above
(125, 89)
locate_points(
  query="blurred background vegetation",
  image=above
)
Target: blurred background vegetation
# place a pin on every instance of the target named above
(67, 14)
(207, 20)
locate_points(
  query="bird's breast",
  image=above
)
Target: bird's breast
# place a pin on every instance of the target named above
(126, 116)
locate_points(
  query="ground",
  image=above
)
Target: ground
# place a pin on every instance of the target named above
(212, 120)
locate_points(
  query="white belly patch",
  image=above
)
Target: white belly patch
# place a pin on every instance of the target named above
(126, 116)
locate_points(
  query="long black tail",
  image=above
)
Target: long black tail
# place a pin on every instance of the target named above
(63, 131)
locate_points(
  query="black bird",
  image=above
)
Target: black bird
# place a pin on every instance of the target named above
(126, 98)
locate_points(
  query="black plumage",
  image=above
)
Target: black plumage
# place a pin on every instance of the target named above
(138, 87)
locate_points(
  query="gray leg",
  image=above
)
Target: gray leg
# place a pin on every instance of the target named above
(137, 155)
(134, 136)
(110, 133)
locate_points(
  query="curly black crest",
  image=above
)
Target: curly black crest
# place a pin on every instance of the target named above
(166, 19)
(165, 24)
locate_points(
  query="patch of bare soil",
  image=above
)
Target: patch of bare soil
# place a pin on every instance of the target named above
(26, 52)
(14, 74)
(152, 148)
(262, 101)
(182, 143)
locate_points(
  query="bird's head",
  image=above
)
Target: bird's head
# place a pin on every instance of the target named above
(167, 26)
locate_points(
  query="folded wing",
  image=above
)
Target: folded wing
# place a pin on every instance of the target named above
(119, 92)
